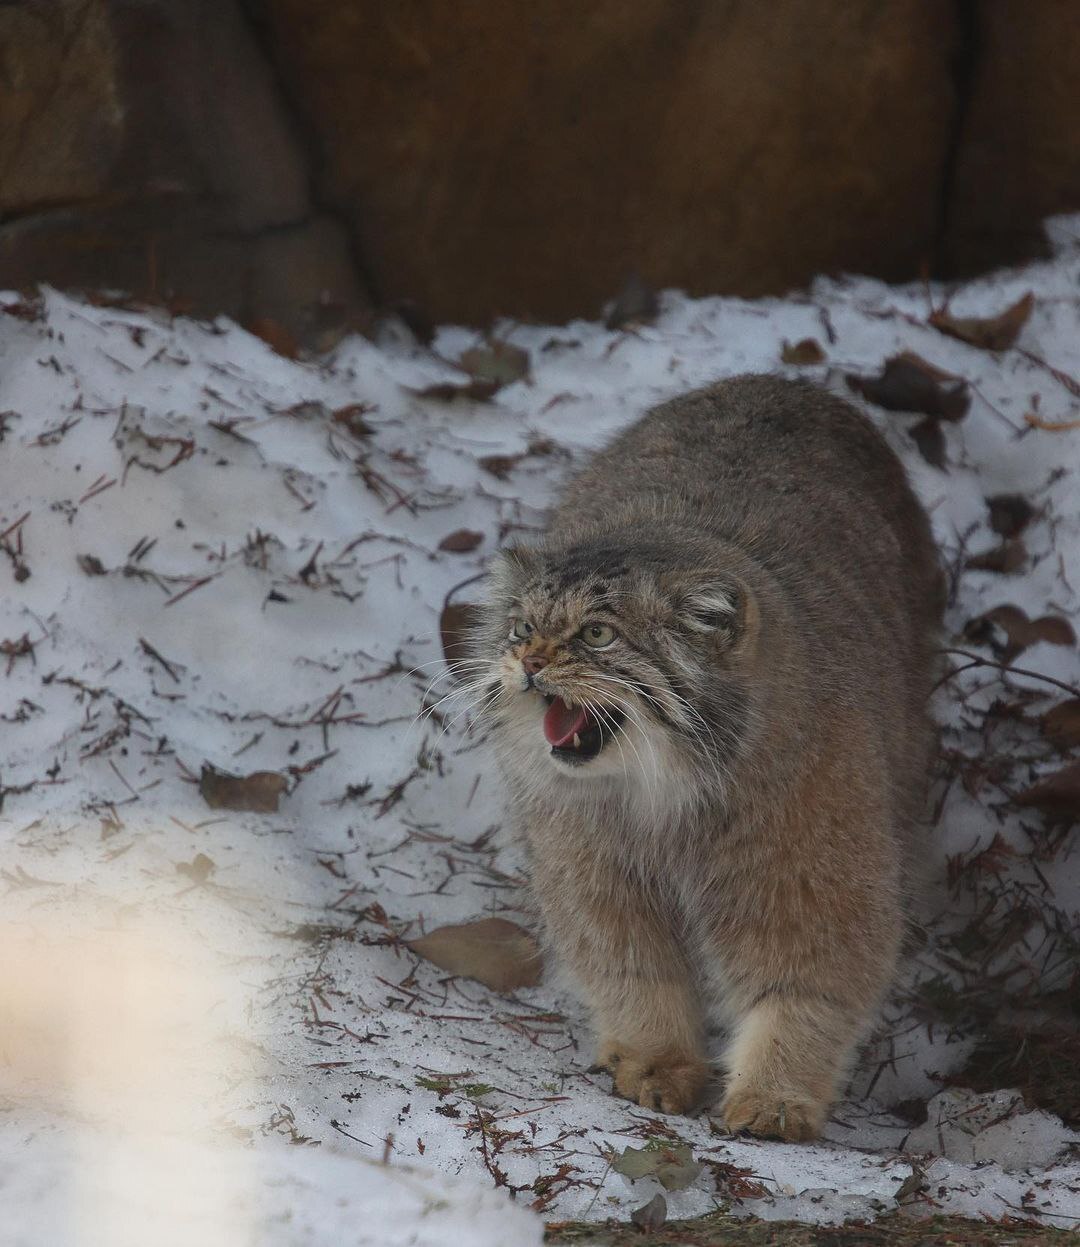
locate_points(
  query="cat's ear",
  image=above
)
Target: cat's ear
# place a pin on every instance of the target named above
(513, 565)
(712, 605)
(710, 608)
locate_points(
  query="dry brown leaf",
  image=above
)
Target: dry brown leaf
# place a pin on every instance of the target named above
(1010, 514)
(500, 466)
(1050, 426)
(415, 319)
(910, 383)
(448, 391)
(1061, 724)
(198, 870)
(24, 309)
(673, 1166)
(259, 792)
(650, 1216)
(352, 417)
(276, 336)
(494, 951)
(805, 351)
(1057, 794)
(456, 623)
(1010, 556)
(991, 333)
(498, 363)
(930, 442)
(463, 541)
(635, 304)
(1019, 631)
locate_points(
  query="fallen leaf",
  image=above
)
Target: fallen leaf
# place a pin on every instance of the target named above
(1010, 514)
(90, 564)
(1061, 724)
(1010, 556)
(650, 1216)
(635, 304)
(198, 870)
(672, 1165)
(500, 466)
(259, 792)
(276, 336)
(418, 322)
(909, 383)
(352, 417)
(1051, 426)
(913, 1184)
(494, 951)
(500, 363)
(991, 333)
(1057, 794)
(736, 1182)
(24, 309)
(1019, 631)
(930, 442)
(456, 624)
(805, 351)
(461, 542)
(448, 391)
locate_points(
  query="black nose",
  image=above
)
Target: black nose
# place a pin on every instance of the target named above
(534, 663)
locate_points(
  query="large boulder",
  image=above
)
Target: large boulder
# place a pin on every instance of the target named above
(501, 158)
(1018, 159)
(145, 147)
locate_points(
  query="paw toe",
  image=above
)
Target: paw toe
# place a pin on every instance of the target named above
(774, 1116)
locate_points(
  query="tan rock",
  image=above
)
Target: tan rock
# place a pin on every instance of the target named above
(495, 158)
(61, 119)
(1019, 154)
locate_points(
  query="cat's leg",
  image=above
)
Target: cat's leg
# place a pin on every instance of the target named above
(635, 978)
(803, 982)
(787, 1055)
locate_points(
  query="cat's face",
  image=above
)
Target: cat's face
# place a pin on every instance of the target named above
(611, 662)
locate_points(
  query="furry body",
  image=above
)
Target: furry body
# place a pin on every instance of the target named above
(739, 835)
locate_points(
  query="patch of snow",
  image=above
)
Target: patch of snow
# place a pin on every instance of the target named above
(203, 561)
(992, 1127)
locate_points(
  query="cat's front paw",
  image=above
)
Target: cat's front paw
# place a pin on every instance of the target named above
(793, 1118)
(668, 1083)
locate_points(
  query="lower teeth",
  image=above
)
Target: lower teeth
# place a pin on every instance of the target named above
(577, 741)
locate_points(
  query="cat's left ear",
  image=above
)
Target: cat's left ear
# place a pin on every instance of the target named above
(713, 605)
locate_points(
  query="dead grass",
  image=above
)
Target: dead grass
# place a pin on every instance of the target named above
(1043, 1062)
(719, 1230)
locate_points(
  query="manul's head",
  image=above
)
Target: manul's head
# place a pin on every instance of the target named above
(618, 658)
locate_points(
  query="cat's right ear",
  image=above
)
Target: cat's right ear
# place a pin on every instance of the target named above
(511, 566)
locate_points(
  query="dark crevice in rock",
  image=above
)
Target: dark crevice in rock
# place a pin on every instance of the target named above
(963, 69)
(253, 13)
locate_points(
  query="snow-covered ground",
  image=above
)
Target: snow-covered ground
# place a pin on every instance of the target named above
(214, 555)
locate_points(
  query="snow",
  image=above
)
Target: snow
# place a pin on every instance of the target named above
(219, 571)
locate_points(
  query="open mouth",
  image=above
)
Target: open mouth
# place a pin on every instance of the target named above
(574, 733)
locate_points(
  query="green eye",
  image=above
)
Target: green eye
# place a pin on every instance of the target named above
(522, 630)
(599, 636)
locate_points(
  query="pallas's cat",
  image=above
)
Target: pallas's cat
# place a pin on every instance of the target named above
(709, 685)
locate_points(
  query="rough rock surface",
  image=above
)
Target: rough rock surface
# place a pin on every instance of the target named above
(495, 163)
(1018, 159)
(144, 146)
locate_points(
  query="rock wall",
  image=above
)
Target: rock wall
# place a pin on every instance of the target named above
(292, 161)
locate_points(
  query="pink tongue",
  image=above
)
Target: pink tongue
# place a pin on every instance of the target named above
(560, 724)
